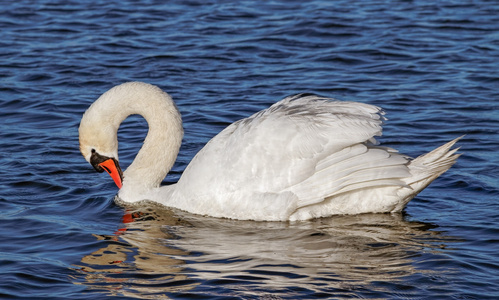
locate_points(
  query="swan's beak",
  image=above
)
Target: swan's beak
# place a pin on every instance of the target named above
(112, 167)
(103, 163)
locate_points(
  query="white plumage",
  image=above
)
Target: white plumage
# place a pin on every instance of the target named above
(304, 157)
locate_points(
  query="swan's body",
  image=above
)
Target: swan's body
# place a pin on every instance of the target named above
(304, 157)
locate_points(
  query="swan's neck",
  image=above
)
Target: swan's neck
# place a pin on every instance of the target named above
(163, 140)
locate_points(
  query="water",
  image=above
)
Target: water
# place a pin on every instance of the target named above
(433, 65)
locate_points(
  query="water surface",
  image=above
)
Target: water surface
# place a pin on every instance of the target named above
(433, 66)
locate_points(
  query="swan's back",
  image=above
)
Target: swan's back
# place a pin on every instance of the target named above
(299, 152)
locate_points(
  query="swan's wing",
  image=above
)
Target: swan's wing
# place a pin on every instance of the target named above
(305, 145)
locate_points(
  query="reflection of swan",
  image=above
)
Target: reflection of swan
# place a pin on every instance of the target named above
(303, 157)
(166, 251)
(136, 256)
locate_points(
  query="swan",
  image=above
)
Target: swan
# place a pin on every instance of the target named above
(304, 157)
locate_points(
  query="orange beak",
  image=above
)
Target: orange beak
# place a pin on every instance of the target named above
(113, 168)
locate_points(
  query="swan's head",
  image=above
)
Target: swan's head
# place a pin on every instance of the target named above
(99, 126)
(99, 143)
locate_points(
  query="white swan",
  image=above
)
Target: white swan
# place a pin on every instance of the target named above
(304, 157)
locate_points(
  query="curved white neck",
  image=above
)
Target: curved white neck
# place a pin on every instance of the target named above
(163, 140)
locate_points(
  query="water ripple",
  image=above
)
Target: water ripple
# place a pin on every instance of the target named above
(432, 65)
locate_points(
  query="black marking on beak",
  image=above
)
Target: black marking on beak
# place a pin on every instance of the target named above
(96, 160)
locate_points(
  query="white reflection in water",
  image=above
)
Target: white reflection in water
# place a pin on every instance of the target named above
(160, 251)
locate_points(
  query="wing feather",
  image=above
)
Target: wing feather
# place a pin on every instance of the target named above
(355, 167)
(312, 146)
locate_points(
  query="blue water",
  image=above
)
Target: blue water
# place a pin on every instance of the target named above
(433, 66)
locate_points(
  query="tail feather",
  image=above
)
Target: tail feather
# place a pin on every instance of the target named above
(426, 168)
